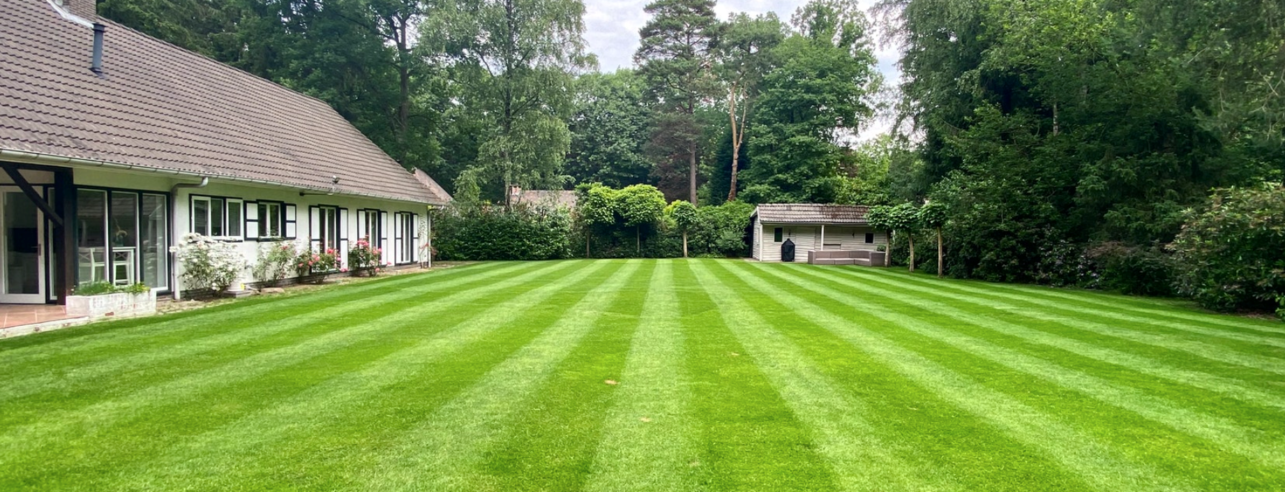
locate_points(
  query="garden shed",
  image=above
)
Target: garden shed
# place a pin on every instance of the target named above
(812, 227)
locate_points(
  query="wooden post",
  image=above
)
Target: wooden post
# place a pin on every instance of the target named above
(430, 240)
(822, 248)
(64, 246)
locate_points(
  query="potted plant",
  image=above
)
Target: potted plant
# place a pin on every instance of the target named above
(365, 259)
(101, 299)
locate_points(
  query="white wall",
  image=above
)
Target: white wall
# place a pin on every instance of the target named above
(348, 205)
(808, 237)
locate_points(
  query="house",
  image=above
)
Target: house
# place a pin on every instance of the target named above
(543, 198)
(812, 227)
(114, 144)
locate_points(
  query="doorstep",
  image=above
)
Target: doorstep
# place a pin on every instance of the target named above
(25, 319)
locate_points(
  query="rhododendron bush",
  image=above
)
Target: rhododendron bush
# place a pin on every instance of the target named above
(207, 263)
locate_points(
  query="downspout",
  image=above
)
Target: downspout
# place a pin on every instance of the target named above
(173, 211)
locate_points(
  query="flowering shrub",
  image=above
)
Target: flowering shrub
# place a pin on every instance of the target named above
(311, 262)
(274, 262)
(364, 257)
(208, 263)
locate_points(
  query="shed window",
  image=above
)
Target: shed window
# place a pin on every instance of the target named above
(776, 234)
(870, 238)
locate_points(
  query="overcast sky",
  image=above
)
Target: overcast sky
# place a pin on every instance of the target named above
(611, 28)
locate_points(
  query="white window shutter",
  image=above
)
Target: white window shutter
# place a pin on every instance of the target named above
(292, 222)
(314, 228)
(251, 229)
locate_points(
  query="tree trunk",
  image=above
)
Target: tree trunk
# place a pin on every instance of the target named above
(912, 252)
(887, 252)
(940, 266)
(638, 240)
(691, 175)
(684, 244)
(736, 141)
(587, 237)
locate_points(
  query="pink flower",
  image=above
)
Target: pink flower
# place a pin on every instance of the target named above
(343, 270)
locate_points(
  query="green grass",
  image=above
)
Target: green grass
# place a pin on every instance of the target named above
(653, 375)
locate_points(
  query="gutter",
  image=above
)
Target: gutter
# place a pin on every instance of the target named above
(40, 158)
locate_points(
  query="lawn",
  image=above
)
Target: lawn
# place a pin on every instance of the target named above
(653, 375)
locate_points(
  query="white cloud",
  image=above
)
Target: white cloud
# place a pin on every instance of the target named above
(611, 29)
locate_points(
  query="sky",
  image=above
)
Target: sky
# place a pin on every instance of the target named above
(611, 28)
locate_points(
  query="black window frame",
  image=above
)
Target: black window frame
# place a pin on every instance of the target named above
(778, 234)
(262, 223)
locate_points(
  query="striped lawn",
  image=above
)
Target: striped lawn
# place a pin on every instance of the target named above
(653, 375)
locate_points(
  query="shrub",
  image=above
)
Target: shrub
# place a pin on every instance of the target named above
(103, 287)
(483, 233)
(365, 257)
(98, 288)
(208, 264)
(1130, 269)
(274, 262)
(1231, 255)
(309, 263)
(721, 230)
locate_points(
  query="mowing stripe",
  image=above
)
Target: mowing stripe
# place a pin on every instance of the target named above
(92, 373)
(1202, 349)
(240, 445)
(1091, 311)
(1092, 460)
(98, 417)
(750, 437)
(859, 459)
(1222, 432)
(1132, 304)
(1218, 384)
(91, 340)
(637, 455)
(442, 451)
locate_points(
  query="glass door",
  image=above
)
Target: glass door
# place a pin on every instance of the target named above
(22, 225)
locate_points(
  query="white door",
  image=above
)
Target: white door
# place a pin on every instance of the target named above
(22, 275)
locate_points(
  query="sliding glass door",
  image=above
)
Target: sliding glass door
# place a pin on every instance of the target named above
(122, 238)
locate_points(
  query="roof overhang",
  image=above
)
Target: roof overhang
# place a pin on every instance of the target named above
(57, 160)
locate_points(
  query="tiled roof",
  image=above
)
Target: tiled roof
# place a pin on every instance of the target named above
(163, 108)
(556, 198)
(808, 213)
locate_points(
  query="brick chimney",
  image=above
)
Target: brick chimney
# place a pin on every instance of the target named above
(85, 9)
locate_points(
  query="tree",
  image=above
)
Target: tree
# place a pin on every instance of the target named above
(904, 219)
(596, 206)
(933, 215)
(744, 52)
(674, 57)
(638, 206)
(685, 216)
(515, 59)
(880, 218)
(814, 97)
(609, 130)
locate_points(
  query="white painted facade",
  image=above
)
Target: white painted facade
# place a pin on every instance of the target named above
(813, 237)
(126, 221)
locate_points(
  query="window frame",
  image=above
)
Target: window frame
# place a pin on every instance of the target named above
(169, 233)
(870, 238)
(224, 203)
(264, 220)
(778, 234)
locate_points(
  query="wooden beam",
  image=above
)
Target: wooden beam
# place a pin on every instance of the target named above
(32, 194)
(64, 237)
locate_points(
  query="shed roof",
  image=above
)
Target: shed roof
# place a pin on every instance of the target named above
(811, 213)
(162, 108)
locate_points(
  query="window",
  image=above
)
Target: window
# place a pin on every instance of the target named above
(372, 228)
(776, 234)
(217, 217)
(329, 228)
(154, 226)
(270, 220)
(236, 208)
(91, 236)
(405, 238)
(870, 238)
(123, 236)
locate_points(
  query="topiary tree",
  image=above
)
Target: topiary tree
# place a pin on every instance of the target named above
(880, 218)
(905, 219)
(933, 215)
(639, 205)
(685, 216)
(597, 207)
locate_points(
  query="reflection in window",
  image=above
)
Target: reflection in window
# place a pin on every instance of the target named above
(153, 226)
(91, 235)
